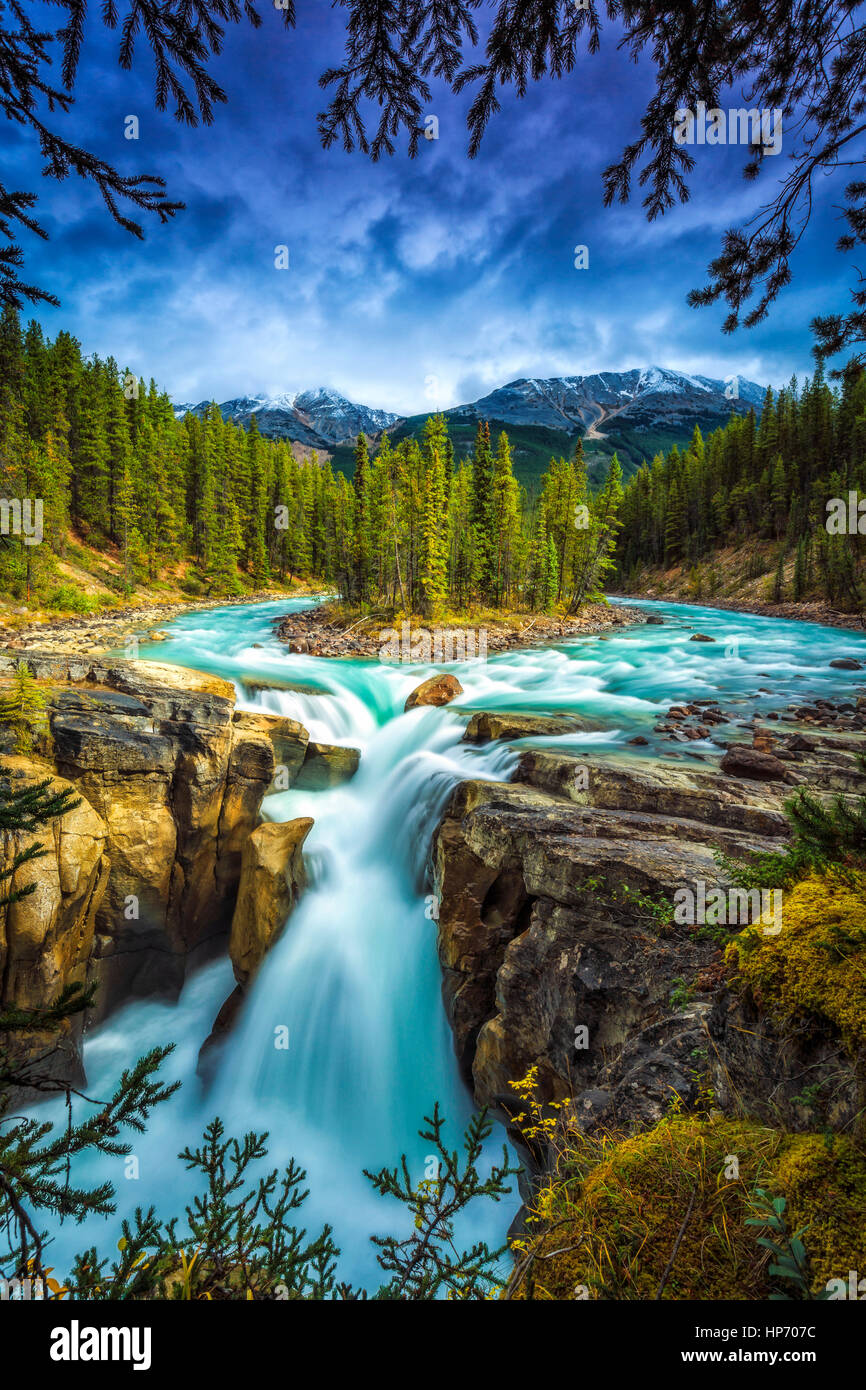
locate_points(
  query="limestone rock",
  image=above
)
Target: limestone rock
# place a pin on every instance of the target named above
(46, 938)
(289, 739)
(540, 932)
(177, 786)
(485, 726)
(272, 876)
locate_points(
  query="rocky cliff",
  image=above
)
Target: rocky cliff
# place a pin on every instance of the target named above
(560, 953)
(145, 871)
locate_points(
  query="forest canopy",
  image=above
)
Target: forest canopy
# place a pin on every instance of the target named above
(225, 510)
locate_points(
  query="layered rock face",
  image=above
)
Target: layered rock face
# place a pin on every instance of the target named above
(172, 779)
(555, 956)
(47, 937)
(178, 785)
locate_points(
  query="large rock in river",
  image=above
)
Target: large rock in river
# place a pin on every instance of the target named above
(485, 726)
(438, 690)
(327, 765)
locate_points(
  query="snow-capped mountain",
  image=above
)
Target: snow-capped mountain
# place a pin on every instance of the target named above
(640, 399)
(647, 399)
(320, 418)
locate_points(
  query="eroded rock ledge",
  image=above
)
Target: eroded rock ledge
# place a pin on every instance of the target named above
(545, 929)
(145, 870)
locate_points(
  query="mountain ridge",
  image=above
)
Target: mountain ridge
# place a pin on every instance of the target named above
(635, 413)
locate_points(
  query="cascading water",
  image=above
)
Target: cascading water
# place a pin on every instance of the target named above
(354, 978)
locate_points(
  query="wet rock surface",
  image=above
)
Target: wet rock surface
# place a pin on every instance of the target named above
(438, 690)
(484, 727)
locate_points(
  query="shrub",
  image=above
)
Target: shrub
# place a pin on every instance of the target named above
(67, 599)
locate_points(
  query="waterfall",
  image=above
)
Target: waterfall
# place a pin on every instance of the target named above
(355, 977)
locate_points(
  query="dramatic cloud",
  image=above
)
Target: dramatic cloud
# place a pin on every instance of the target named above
(411, 284)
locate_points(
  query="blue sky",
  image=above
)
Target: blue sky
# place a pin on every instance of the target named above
(412, 284)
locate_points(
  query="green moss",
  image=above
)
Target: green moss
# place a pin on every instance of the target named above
(825, 1186)
(815, 969)
(667, 1212)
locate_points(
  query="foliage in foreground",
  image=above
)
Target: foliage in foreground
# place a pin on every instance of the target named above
(826, 836)
(701, 1206)
(238, 1238)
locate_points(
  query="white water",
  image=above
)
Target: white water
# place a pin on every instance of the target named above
(355, 976)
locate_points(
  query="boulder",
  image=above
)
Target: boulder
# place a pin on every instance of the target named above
(484, 727)
(753, 763)
(438, 690)
(272, 876)
(847, 663)
(327, 765)
(701, 637)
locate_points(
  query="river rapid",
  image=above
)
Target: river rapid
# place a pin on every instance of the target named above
(355, 977)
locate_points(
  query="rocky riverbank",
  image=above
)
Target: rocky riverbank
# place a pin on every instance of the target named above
(325, 631)
(118, 627)
(808, 611)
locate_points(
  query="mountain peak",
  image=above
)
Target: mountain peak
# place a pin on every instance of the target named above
(608, 409)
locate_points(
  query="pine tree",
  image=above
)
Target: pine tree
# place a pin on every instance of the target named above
(23, 708)
(482, 515)
(361, 549)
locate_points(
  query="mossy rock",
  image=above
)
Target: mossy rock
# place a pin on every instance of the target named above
(664, 1214)
(815, 968)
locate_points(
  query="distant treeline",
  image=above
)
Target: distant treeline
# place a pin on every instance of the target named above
(766, 482)
(222, 509)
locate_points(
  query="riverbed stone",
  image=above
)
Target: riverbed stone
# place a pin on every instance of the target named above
(438, 690)
(486, 726)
